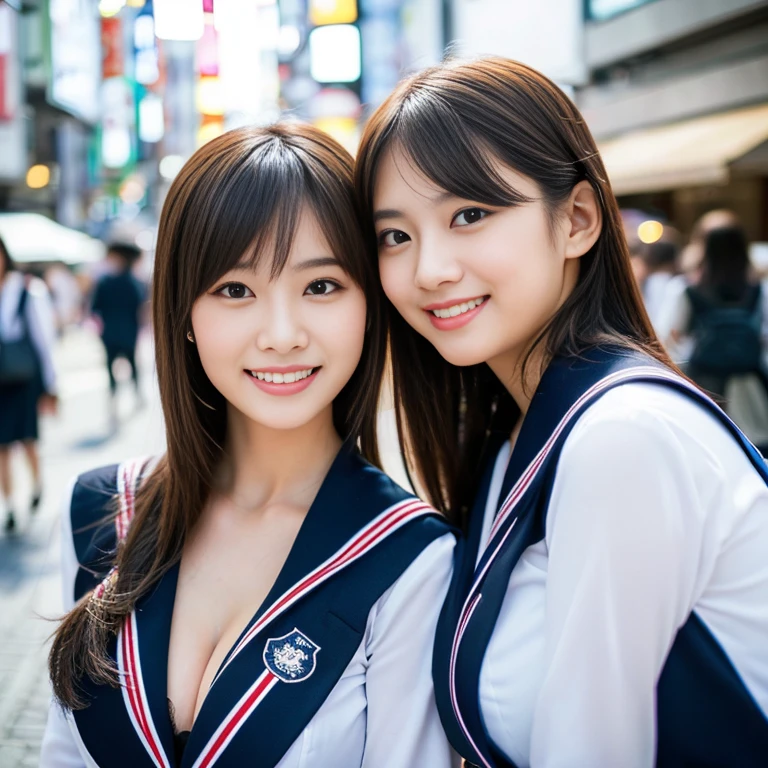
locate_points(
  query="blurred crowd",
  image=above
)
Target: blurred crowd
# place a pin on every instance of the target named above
(36, 308)
(708, 304)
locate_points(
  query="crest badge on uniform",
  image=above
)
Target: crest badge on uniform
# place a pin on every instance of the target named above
(291, 658)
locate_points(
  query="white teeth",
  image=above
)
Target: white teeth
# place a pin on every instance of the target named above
(282, 378)
(458, 309)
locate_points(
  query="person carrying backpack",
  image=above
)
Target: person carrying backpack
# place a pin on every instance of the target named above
(724, 316)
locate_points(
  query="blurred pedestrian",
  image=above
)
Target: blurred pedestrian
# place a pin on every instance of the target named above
(66, 295)
(724, 313)
(660, 259)
(692, 256)
(118, 300)
(27, 375)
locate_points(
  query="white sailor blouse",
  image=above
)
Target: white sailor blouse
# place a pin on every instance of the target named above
(610, 606)
(333, 670)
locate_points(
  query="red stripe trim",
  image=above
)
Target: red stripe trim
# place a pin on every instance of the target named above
(358, 546)
(352, 550)
(135, 693)
(252, 701)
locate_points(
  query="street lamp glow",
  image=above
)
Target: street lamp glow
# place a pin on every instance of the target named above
(334, 53)
(650, 231)
(179, 19)
(38, 176)
(332, 11)
(108, 8)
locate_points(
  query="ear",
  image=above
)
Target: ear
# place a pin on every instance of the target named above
(585, 220)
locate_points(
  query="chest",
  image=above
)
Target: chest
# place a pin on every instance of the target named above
(226, 572)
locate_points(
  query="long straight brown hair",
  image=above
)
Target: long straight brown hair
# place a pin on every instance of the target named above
(452, 122)
(240, 194)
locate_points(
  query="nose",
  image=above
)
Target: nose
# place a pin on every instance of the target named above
(282, 329)
(436, 266)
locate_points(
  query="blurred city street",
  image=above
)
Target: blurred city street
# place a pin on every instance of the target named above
(30, 589)
(104, 102)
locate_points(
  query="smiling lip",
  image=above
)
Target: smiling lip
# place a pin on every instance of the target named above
(283, 389)
(457, 321)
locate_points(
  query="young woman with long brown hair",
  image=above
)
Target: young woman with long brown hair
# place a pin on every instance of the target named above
(262, 595)
(609, 606)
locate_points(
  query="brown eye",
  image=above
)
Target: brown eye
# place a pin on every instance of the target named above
(322, 287)
(468, 216)
(234, 291)
(393, 237)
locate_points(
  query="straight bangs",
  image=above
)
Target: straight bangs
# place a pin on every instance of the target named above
(456, 158)
(255, 212)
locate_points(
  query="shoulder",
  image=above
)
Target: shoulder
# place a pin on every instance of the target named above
(644, 422)
(92, 510)
(640, 438)
(95, 515)
(36, 287)
(379, 491)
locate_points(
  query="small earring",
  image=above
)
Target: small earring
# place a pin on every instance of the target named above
(190, 337)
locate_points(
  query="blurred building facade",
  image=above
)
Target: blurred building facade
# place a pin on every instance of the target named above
(677, 96)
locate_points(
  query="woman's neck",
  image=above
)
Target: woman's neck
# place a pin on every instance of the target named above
(520, 371)
(263, 465)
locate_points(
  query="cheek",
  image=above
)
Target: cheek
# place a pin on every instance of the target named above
(344, 330)
(397, 280)
(217, 336)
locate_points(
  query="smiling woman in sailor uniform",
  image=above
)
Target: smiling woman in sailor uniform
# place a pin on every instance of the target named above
(261, 595)
(611, 607)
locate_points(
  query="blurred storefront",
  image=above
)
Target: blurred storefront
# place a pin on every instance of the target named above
(677, 97)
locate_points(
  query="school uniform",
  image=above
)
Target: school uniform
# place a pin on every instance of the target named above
(26, 310)
(333, 670)
(611, 603)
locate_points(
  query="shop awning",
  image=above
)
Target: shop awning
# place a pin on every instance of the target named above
(31, 237)
(690, 153)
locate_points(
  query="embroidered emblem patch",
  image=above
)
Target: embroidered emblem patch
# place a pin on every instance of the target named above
(291, 658)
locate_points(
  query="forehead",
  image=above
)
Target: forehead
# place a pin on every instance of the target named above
(397, 174)
(308, 241)
(398, 177)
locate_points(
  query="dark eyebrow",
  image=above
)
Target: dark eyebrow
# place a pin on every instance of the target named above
(321, 261)
(387, 213)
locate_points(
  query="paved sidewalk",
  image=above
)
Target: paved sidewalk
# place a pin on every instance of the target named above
(30, 590)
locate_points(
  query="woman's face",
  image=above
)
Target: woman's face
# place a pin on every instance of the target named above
(476, 281)
(280, 350)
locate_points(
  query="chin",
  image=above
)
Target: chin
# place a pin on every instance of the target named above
(462, 356)
(286, 421)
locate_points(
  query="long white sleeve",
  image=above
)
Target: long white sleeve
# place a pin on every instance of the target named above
(624, 534)
(403, 727)
(60, 748)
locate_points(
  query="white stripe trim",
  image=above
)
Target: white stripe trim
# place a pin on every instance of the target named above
(89, 762)
(389, 521)
(377, 530)
(513, 498)
(131, 675)
(211, 758)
